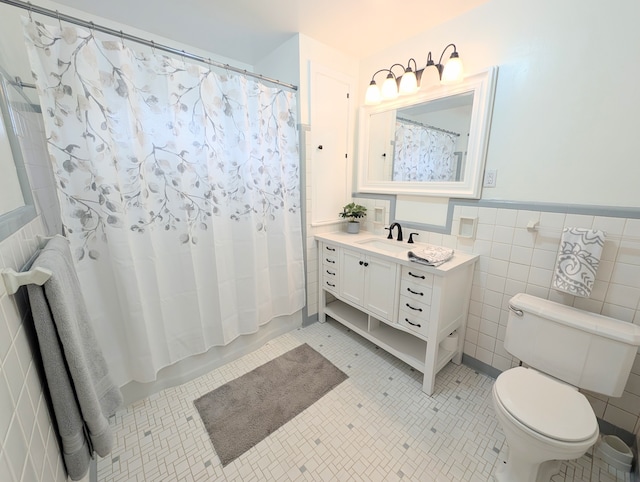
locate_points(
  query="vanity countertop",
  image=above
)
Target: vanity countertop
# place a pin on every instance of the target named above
(392, 250)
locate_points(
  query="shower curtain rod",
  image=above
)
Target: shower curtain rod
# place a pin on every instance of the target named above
(409, 121)
(125, 36)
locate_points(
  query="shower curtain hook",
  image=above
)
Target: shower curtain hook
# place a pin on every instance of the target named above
(153, 47)
(30, 10)
(122, 39)
(93, 28)
(58, 17)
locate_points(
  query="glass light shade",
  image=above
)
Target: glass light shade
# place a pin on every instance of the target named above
(389, 88)
(408, 83)
(453, 71)
(372, 97)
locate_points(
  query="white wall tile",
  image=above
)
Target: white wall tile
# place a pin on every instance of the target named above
(622, 295)
(578, 221)
(503, 234)
(23, 412)
(552, 220)
(506, 217)
(529, 268)
(620, 418)
(521, 255)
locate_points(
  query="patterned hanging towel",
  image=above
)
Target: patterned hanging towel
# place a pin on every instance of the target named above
(578, 261)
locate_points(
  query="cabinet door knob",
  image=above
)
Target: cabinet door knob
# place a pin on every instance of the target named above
(366, 264)
(360, 263)
(320, 147)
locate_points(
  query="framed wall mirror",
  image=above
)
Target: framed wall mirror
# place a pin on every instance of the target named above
(432, 143)
(16, 201)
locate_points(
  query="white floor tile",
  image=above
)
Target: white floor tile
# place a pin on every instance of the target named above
(376, 426)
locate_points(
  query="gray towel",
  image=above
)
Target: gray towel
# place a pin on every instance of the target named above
(578, 261)
(82, 393)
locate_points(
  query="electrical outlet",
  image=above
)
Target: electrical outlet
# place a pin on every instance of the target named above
(490, 176)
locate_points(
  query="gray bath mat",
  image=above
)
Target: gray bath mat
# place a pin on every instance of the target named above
(241, 413)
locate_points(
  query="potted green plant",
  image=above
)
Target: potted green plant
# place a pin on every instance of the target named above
(352, 212)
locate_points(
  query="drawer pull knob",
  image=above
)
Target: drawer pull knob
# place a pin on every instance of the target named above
(416, 275)
(360, 263)
(417, 309)
(332, 285)
(366, 264)
(332, 273)
(329, 260)
(413, 324)
(415, 292)
(330, 249)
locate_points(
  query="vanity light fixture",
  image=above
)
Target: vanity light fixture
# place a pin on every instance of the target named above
(409, 81)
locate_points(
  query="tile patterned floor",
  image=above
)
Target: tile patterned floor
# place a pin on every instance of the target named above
(376, 426)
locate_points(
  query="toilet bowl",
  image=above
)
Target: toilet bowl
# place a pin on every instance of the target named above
(544, 421)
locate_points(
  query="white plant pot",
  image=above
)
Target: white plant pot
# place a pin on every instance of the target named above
(353, 227)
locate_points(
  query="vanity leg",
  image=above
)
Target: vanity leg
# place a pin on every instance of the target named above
(429, 380)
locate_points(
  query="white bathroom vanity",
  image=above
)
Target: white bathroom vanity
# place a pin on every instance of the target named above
(417, 313)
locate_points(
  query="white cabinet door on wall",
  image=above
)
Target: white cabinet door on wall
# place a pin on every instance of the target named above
(330, 173)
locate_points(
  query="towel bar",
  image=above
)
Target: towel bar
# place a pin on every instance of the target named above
(13, 280)
(37, 276)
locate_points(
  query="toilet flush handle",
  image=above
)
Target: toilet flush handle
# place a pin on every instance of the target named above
(516, 311)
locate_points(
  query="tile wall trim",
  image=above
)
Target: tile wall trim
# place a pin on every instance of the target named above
(585, 209)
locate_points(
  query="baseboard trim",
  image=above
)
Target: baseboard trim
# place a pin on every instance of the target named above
(479, 366)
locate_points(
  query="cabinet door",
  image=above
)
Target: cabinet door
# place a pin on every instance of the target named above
(380, 287)
(352, 271)
(330, 166)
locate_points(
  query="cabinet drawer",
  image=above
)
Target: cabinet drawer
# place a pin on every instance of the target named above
(409, 320)
(330, 277)
(414, 307)
(329, 255)
(420, 292)
(330, 283)
(417, 276)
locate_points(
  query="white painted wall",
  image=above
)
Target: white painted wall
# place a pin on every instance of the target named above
(565, 116)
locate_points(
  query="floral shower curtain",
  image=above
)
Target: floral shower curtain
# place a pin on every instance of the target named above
(179, 191)
(423, 154)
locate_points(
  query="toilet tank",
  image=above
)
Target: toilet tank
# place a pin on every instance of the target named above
(586, 350)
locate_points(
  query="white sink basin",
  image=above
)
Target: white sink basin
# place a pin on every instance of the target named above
(382, 245)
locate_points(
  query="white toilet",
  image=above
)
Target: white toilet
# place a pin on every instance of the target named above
(544, 417)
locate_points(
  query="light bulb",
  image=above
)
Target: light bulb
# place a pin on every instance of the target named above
(453, 70)
(390, 87)
(372, 97)
(408, 83)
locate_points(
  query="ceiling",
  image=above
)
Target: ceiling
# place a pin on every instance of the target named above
(247, 30)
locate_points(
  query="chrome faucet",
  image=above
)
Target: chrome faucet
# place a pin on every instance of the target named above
(390, 228)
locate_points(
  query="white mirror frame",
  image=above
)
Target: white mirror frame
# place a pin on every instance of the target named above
(483, 87)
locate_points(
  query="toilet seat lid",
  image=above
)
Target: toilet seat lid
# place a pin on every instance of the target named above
(546, 406)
